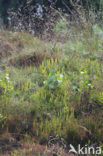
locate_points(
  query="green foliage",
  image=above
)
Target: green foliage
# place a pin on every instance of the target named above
(97, 30)
(97, 4)
(85, 82)
(61, 27)
(5, 84)
(2, 118)
(53, 93)
(61, 95)
(54, 80)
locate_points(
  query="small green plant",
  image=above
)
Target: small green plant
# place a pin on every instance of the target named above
(2, 117)
(53, 80)
(84, 82)
(5, 84)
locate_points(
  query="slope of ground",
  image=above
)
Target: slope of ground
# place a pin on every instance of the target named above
(49, 89)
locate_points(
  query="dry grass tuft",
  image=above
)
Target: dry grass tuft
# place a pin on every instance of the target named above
(6, 50)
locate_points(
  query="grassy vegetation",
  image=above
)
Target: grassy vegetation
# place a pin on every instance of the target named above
(49, 89)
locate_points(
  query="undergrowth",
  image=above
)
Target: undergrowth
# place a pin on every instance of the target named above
(61, 94)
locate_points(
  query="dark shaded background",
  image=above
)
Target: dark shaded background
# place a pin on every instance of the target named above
(6, 4)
